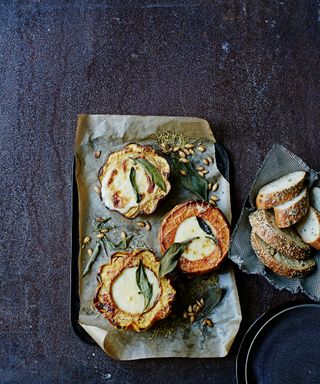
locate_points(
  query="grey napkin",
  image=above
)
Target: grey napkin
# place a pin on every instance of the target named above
(277, 163)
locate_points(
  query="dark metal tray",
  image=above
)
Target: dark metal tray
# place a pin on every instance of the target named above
(223, 166)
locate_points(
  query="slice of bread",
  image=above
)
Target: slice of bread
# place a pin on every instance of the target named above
(292, 211)
(279, 262)
(309, 228)
(284, 240)
(315, 198)
(281, 190)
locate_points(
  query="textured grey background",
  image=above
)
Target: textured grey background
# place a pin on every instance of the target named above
(251, 68)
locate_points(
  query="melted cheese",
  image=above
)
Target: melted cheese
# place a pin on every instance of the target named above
(198, 248)
(125, 291)
(121, 184)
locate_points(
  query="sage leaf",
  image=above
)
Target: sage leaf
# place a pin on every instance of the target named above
(121, 246)
(153, 172)
(144, 284)
(92, 259)
(134, 184)
(171, 256)
(206, 229)
(191, 181)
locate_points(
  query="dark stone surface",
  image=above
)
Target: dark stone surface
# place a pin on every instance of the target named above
(251, 68)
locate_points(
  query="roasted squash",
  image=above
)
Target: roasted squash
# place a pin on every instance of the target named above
(133, 180)
(196, 220)
(119, 298)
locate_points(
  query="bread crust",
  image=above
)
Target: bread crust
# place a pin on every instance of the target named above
(105, 304)
(209, 213)
(270, 200)
(285, 217)
(282, 240)
(276, 266)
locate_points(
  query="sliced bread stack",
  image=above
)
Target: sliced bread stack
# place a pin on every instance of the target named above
(287, 196)
(309, 227)
(281, 250)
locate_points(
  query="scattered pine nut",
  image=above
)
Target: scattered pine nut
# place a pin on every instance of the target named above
(202, 301)
(201, 174)
(189, 146)
(192, 152)
(183, 160)
(208, 322)
(175, 149)
(210, 160)
(182, 154)
(205, 161)
(141, 224)
(185, 315)
(214, 198)
(199, 303)
(202, 148)
(90, 251)
(215, 187)
(192, 319)
(210, 186)
(99, 219)
(186, 151)
(183, 172)
(123, 235)
(205, 171)
(199, 168)
(100, 236)
(86, 240)
(97, 154)
(148, 227)
(190, 308)
(104, 230)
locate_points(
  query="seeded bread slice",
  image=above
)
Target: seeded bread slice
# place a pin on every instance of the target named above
(278, 262)
(315, 198)
(281, 190)
(292, 211)
(309, 228)
(284, 240)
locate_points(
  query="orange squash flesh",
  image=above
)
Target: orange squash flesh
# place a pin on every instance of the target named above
(207, 212)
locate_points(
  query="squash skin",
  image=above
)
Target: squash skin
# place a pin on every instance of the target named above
(105, 304)
(144, 152)
(207, 212)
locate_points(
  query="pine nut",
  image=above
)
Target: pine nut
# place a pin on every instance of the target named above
(175, 149)
(205, 161)
(202, 148)
(100, 236)
(192, 152)
(205, 171)
(86, 240)
(201, 174)
(97, 189)
(215, 187)
(182, 154)
(97, 154)
(199, 168)
(90, 251)
(148, 227)
(189, 146)
(141, 224)
(123, 235)
(192, 319)
(214, 198)
(210, 186)
(104, 230)
(183, 160)
(185, 315)
(183, 172)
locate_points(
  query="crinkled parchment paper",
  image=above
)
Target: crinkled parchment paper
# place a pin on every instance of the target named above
(278, 162)
(178, 338)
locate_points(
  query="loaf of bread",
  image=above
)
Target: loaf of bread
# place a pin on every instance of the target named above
(292, 211)
(278, 262)
(281, 190)
(284, 240)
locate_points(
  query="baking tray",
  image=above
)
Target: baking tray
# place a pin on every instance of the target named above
(223, 166)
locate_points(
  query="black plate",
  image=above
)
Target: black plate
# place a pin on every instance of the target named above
(282, 347)
(223, 166)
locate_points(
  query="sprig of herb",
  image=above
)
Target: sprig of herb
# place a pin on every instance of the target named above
(122, 245)
(191, 181)
(100, 224)
(134, 183)
(92, 259)
(144, 284)
(153, 172)
(206, 229)
(171, 256)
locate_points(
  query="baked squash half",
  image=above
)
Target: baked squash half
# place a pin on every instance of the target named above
(122, 301)
(209, 229)
(133, 180)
